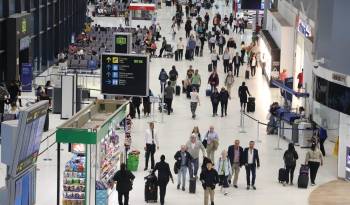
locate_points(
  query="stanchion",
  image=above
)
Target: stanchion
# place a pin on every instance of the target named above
(48, 151)
(242, 123)
(258, 133)
(279, 138)
(163, 87)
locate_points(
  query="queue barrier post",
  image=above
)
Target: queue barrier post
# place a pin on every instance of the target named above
(258, 133)
(242, 123)
(279, 136)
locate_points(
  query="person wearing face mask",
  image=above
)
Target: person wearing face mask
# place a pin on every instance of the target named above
(314, 159)
(183, 160)
(193, 147)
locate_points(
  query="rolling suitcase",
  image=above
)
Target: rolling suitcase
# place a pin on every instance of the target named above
(247, 74)
(176, 56)
(192, 185)
(210, 68)
(187, 55)
(177, 90)
(167, 3)
(303, 179)
(151, 189)
(251, 104)
(282, 175)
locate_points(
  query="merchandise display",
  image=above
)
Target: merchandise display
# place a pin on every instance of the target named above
(74, 181)
(109, 156)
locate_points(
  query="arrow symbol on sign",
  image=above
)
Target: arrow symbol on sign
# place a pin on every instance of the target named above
(108, 81)
(108, 74)
(109, 59)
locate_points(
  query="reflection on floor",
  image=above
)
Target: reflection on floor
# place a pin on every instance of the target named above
(336, 192)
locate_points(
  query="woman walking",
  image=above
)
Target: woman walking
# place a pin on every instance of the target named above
(194, 102)
(123, 178)
(229, 80)
(223, 166)
(314, 159)
(290, 160)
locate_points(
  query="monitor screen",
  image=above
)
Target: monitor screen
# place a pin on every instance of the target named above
(31, 138)
(251, 4)
(23, 189)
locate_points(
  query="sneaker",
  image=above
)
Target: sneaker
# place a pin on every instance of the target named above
(248, 187)
(178, 186)
(235, 186)
(254, 187)
(183, 189)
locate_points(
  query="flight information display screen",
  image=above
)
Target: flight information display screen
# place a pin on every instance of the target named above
(31, 138)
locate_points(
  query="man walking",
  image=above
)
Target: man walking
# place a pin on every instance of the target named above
(235, 155)
(151, 141)
(163, 77)
(162, 48)
(193, 147)
(251, 161)
(212, 143)
(183, 160)
(173, 75)
(180, 48)
(168, 96)
(237, 62)
(164, 174)
(196, 80)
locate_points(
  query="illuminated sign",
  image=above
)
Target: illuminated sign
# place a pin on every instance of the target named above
(24, 25)
(304, 28)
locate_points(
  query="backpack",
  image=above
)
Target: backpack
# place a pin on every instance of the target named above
(289, 159)
(172, 76)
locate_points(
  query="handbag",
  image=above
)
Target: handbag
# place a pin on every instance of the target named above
(205, 141)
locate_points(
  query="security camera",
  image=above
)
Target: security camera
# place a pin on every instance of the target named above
(316, 65)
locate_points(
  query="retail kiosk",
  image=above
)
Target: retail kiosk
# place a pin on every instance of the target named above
(19, 151)
(141, 11)
(93, 135)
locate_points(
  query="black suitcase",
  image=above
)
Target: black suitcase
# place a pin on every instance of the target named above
(247, 74)
(151, 189)
(251, 104)
(193, 185)
(176, 55)
(282, 175)
(167, 3)
(187, 55)
(210, 68)
(177, 90)
(303, 181)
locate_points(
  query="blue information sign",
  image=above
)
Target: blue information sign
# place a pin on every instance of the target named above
(26, 77)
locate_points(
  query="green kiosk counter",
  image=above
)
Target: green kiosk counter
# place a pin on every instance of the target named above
(92, 137)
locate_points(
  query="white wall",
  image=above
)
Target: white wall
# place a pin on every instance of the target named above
(344, 141)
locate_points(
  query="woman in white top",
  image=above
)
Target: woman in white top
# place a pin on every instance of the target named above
(314, 159)
(214, 59)
(253, 63)
(226, 57)
(194, 102)
(223, 167)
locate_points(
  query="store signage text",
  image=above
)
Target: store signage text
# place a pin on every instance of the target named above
(339, 77)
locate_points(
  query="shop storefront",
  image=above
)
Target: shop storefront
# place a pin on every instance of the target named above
(94, 138)
(269, 56)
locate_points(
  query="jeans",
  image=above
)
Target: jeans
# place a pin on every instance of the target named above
(290, 171)
(182, 175)
(208, 192)
(168, 102)
(250, 169)
(161, 52)
(162, 191)
(197, 51)
(221, 49)
(162, 86)
(226, 65)
(236, 70)
(235, 172)
(126, 198)
(211, 47)
(313, 170)
(223, 108)
(194, 167)
(215, 108)
(215, 64)
(150, 150)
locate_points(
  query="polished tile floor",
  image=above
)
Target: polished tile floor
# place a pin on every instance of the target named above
(174, 130)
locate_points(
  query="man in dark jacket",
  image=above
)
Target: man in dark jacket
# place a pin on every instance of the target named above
(183, 160)
(209, 178)
(224, 96)
(173, 75)
(237, 62)
(215, 99)
(235, 155)
(163, 77)
(251, 162)
(164, 174)
(168, 96)
(123, 179)
(162, 48)
(243, 93)
(213, 80)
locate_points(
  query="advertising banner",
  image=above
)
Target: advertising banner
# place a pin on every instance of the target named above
(26, 77)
